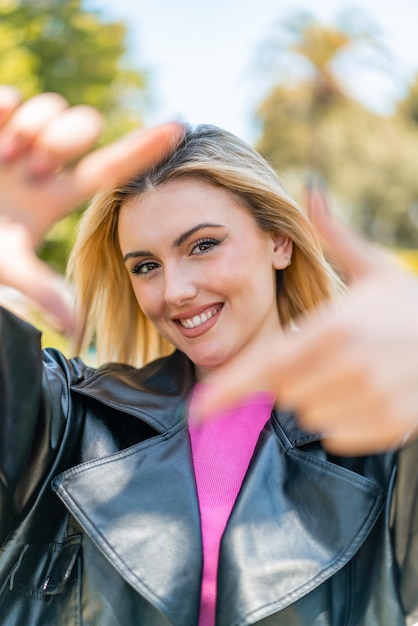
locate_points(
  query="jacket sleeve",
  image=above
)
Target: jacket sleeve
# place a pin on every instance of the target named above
(404, 522)
(33, 409)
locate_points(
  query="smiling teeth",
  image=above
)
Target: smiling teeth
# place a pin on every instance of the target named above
(197, 320)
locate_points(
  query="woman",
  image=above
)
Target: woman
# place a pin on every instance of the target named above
(116, 505)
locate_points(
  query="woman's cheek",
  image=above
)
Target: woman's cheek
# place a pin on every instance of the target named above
(139, 295)
(149, 301)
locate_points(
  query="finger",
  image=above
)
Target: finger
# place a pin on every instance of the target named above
(349, 444)
(239, 378)
(27, 122)
(336, 394)
(45, 289)
(51, 294)
(352, 255)
(360, 426)
(67, 136)
(117, 162)
(347, 413)
(384, 414)
(9, 101)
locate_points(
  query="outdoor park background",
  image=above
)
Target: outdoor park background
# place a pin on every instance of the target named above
(323, 89)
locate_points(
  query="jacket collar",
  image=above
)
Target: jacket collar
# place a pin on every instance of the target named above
(156, 393)
(276, 547)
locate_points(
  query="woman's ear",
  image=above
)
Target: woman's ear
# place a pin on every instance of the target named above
(282, 250)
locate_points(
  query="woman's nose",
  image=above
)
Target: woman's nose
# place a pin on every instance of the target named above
(179, 287)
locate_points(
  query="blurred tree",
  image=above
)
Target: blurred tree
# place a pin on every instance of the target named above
(313, 127)
(408, 108)
(58, 45)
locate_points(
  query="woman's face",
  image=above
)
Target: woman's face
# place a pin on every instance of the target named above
(202, 270)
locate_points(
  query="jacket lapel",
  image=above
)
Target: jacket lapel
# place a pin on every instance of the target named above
(140, 508)
(290, 530)
(298, 519)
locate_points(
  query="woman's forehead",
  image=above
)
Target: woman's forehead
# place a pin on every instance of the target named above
(177, 199)
(169, 210)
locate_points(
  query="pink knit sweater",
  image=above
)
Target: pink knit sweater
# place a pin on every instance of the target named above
(222, 448)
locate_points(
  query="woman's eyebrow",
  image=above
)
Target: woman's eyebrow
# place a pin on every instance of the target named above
(192, 231)
(135, 254)
(177, 242)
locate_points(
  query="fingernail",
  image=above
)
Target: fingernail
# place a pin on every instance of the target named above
(309, 183)
(321, 183)
(316, 181)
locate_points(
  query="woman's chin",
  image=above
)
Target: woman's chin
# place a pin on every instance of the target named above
(207, 363)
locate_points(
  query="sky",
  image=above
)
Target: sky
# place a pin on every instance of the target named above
(204, 57)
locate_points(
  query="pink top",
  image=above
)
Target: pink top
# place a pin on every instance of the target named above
(222, 448)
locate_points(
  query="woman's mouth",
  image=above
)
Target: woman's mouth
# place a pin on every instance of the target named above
(198, 320)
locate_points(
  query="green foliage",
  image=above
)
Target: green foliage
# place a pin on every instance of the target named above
(57, 45)
(314, 128)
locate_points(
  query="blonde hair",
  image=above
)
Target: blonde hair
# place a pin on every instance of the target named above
(108, 310)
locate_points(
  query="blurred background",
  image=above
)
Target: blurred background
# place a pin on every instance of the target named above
(324, 89)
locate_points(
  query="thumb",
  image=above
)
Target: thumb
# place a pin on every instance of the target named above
(46, 290)
(21, 269)
(352, 255)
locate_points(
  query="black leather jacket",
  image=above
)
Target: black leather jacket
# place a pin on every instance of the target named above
(99, 518)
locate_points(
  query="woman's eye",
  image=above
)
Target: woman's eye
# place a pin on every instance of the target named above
(204, 245)
(144, 268)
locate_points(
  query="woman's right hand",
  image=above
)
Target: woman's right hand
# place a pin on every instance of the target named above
(38, 139)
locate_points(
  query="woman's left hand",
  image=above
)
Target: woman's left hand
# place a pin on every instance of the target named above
(351, 372)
